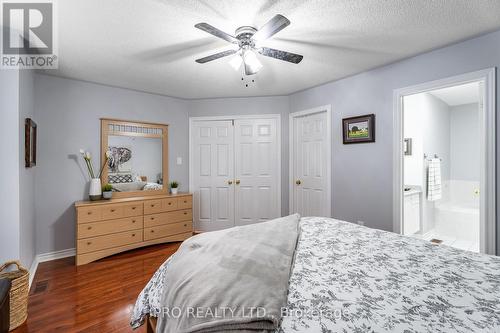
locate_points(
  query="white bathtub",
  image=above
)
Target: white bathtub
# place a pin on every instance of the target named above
(457, 215)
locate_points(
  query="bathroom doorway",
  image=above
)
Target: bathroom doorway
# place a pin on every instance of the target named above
(446, 183)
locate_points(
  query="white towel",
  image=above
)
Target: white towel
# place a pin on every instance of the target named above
(434, 180)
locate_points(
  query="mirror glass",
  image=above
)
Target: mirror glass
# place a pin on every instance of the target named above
(135, 163)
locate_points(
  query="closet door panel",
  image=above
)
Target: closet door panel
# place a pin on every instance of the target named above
(256, 171)
(310, 176)
(213, 174)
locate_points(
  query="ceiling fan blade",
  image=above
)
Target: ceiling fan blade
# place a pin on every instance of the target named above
(215, 56)
(216, 32)
(281, 55)
(275, 25)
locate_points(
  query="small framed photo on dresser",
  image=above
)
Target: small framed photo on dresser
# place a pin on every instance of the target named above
(360, 129)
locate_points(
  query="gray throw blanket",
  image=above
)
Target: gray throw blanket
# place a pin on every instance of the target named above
(230, 280)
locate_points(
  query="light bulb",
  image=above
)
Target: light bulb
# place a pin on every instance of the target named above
(236, 62)
(252, 63)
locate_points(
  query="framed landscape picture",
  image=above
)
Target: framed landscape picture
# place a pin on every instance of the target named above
(359, 129)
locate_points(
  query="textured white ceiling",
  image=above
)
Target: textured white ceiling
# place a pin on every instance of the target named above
(458, 95)
(151, 45)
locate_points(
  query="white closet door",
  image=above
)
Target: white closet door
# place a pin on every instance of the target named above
(310, 166)
(257, 196)
(213, 174)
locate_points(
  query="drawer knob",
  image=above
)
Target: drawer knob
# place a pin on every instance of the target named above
(89, 228)
(133, 208)
(169, 203)
(152, 205)
(89, 213)
(185, 213)
(133, 235)
(185, 201)
(152, 231)
(89, 243)
(133, 221)
(151, 218)
(185, 225)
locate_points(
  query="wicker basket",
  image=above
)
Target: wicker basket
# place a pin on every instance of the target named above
(18, 292)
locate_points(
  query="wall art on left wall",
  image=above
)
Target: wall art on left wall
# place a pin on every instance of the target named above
(30, 129)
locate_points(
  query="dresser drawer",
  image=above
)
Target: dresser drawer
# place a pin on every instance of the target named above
(135, 209)
(169, 204)
(167, 218)
(185, 202)
(89, 214)
(110, 212)
(167, 230)
(109, 241)
(109, 227)
(153, 206)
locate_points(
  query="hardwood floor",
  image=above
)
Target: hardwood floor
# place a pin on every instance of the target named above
(96, 297)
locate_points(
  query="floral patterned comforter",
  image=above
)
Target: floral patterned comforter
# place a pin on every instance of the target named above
(348, 278)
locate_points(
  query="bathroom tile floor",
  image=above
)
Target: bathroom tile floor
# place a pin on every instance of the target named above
(450, 241)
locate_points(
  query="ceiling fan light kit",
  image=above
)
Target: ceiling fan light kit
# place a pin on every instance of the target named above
(246, 54)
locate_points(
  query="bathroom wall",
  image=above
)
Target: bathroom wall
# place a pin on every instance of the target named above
(413, 122)
(465, 141)
(465, 155)
(427, 123)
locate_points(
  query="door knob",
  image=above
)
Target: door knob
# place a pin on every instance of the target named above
(298, 182)
(237, 182)
(230, 182)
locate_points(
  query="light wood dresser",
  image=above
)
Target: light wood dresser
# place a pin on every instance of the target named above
(108, 227)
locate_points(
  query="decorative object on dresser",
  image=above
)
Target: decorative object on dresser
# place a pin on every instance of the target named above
(174, 187)
(359, 129)
(107, 191)
(138, 155)
(95, 180)
(18, 292)
(29, 143)
(109, 227)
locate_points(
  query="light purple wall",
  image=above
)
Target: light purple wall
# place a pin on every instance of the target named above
(27, 220)
(9, 166)
(362, 174)
(252, 106)
(68, 113)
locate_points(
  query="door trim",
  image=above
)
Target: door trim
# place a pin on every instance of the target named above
(488, 151)
(277, 117)
(324, 108)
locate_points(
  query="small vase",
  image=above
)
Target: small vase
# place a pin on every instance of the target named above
(107, 195)
(174, 190)
(95, 189)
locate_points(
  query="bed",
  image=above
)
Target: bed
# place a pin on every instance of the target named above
(350, 278)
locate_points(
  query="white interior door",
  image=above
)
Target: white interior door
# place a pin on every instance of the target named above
(257, 174)
(310, 165)
(213, 174)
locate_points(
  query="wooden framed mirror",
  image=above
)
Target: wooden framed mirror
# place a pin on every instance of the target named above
(138, 157)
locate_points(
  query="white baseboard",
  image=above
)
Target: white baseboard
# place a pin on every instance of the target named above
(49, 256)
(34, 266)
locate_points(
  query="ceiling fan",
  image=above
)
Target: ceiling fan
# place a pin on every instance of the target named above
(246, 39)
